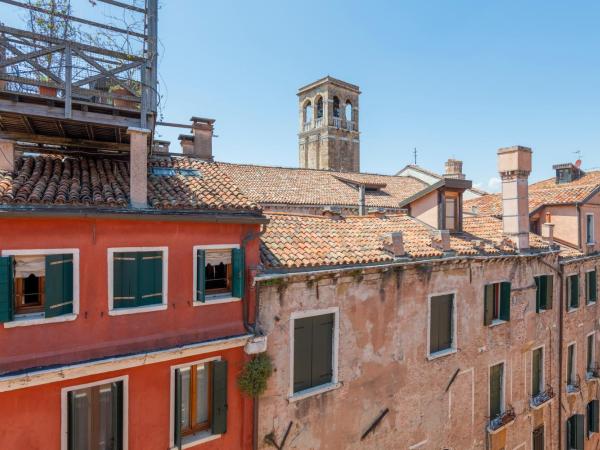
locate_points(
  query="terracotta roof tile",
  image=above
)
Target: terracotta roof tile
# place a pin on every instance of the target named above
(297, 241)
(279, 185)
(102, 181)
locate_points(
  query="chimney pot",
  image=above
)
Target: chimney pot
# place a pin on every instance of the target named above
(440, 239)
(548, 233)
(394, 243)
(514, 167)
(203, 130)
(7, 155)
(454, 169)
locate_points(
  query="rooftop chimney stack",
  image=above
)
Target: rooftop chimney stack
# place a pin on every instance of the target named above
(202, 129)
(7, 155)
(138, 167)
(454, 169)
(548, 233)
(514, 166)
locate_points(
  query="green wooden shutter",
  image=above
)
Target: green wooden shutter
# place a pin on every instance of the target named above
(71, 417)
(59, 285)
(549, 291)
(6, 288)
(434, 326)
(302, 353)
(125, 284)
(441, 323)
(573, 291)
(237, 269)
(591, 286)
(150, 272)
(117, 414)
(538, 293)
(200, 275)
(219, 397)
(595, 406)
(488, 304)
(322, 349)
(538, 438)
(536, 371)
(495, 390)
(579, 432)
(177, 411)
(505, 301)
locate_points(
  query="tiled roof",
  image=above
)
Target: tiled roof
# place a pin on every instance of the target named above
(279, 185)
(545, 192)
(436, 175)
(298, 241)
(103, 181)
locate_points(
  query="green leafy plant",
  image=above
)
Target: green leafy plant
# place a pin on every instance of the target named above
(253, 378)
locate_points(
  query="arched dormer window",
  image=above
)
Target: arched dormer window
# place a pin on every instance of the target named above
(319, 108)
(336, 107)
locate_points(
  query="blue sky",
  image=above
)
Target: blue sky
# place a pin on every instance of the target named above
(451, 78)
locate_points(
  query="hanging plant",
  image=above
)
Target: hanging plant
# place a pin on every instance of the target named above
(253, 378)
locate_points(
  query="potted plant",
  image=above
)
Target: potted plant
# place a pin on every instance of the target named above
(120, 90)
(47, 91)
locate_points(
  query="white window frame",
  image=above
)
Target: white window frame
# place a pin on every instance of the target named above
(551, 275)
(214, 299)
(454, 347)
(502, 387)
(586, 286)
(496, 322)
(594, 359)
(21, 322)
(196, 438)
(165, 281)
(64, 422)
(568, 377)
(334, 383)
(587, 229)
(543, 375)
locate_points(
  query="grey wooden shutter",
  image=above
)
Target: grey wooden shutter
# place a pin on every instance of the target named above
(71, 417)
(549, 291)
(573, 291)
(303, 334)
(117, 414)
(6, 288)
(570, 356)
(488, 304)
(579, 432)
(495, 390)
(237, 269)
(59, 285)
(536, 371)
(434, 326)
(441, 323)
(322, 349)
(591, 286)
(538, 438)
(200, 275)
(505, 301)
(150, 270)
(177, 411)
(125, 283)
(538, 293)
(219, 397)
(593, 407)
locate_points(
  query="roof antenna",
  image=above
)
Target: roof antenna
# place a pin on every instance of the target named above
(415, 155)
(578, 153)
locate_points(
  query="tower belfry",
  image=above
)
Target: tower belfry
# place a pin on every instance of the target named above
(328, 138)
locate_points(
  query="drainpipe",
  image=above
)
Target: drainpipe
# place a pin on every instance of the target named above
(578, 208)
(245, 311)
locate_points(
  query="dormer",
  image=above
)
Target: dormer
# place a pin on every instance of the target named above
(566, 173)
(439, 205)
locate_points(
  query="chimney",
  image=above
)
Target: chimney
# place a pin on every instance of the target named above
(7, 155)
(332, 212)
(440, 239)
(362, 207)
(548, 233)
(376, 212)
(187, 144)
(514, 166)
(396, 244)
(202, 129)
(454, 169)
(138, 167)
(160, 147)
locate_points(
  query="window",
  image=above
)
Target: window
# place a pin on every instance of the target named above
(451, 211)
(37, 286)
(573, 292)
(571, 366)
(592, 417)
(348, 111)
(219, 274)
(336, 107)
(537, 371)
(591, 290)
(308, 113)
(496, 303)
(313, 357)
(137, 279)
(591, 353)
(538, 438)
(200, 401)
(319, 107)
(95, 417)
(544, 292)
(441, 324)
(496, 390)
(575, 432)
(589, 228)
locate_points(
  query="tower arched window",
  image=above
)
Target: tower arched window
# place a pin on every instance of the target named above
(319, 107)
(308, 112)
(348, 111)
(336, 107)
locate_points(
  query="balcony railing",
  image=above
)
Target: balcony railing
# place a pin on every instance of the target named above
(593, 373)
(501, 420)
(337, 122)
(319, 122)
(349, 125)
(307, 126)
(539, 399)
(574, 386)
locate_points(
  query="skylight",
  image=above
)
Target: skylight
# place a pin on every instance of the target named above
(171, 172)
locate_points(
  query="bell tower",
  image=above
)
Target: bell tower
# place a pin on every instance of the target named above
(328, 138)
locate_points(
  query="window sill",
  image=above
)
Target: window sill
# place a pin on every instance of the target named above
(25, 322)
(493, 431)
(197, 439)
(497, 322)
(135, 310)
(572, 389)
(217, 300)
(591, 303)
(441, 354)
(313, 391)
(532, 405)
(572, 310)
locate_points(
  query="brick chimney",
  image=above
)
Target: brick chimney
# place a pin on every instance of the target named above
(454, 169)
(138, 167)
(202, 129)
(514, 166)
(7, 155)
(395, 244)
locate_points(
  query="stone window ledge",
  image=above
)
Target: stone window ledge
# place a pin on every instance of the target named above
(313, 391)
(441, 354)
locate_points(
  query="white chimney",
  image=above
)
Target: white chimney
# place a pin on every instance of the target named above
(514, 166)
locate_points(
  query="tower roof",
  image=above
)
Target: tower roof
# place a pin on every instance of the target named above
(329, 80)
